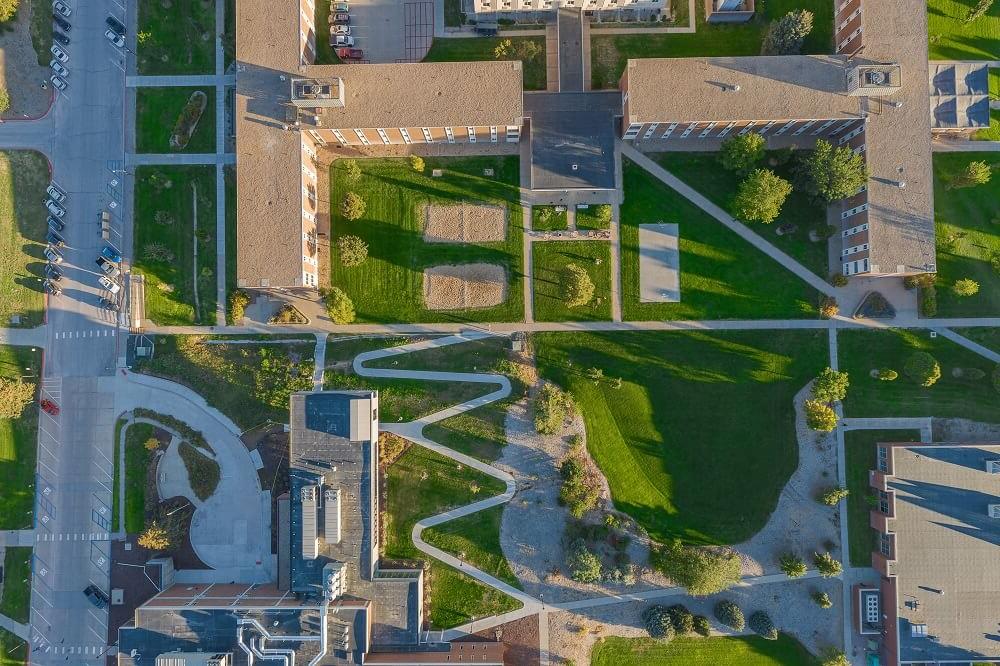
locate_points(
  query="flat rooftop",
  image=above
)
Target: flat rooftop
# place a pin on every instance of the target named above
(948, 551)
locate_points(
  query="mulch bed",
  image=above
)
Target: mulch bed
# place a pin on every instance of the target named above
(521, 638)
(272, 444)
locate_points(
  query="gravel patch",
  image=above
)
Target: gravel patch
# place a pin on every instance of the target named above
(20, 73)
(465, 223)
(464, 286)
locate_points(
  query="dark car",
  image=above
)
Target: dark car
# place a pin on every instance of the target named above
(55, 238)
(96, 596)
(343, 18)
(108, 304)
(59, 37)
(53, 273)
(61, 22)
(116, 25)
(55, 224)
(51, 288)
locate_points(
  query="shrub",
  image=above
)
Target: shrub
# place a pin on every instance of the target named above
(352, 172)
(577, 287)
(839, 280)
(154, 537)
(830, 173)
(681, 618)
(928, 302)
(834, 657)
(353, 206)
(4, 98)
(339, 306)
(581, 489)
(793, 565)
(702, 571)
(417, 163)
(157, 252)
(551, 408)
(831, 385)
(702, 626)
(820, 416)
(921, 281)
(730, 615)
(887, 375)
(15, 396)
(584, 566)
(965, 287)
(8, 8)
(238, 302)
(287, 314)
(760, 623)
(922, 368)
(353, 251)
(828, 307)
(822, 599)
(595, 375)
(203, 472)
(602, 212)
(973, 374)
(785, 36)
(974, 173)
(151, 444)
(832, 496)
(741, 153)
(760, 196)
(658, 624)
(827, 565)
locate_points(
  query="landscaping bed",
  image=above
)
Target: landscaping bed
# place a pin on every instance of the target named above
(159, 109)
(13, 650)
(19, 443)
(550, 259)
(203, 472)
(24, 175)
(547, 218)
(176, 37)
(592, 217)
(138, 467)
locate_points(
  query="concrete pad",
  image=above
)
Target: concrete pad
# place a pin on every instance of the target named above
(659, 263)
(258, 463)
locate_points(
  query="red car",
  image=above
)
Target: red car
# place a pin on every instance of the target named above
(50, 407)
(350, 54)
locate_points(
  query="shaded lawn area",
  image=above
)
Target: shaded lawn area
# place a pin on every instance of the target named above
(701, 418)
(156, 112)
(16, 600)
(713, 651)
(229, 34)
(547, 218)
(165, 253)
(422, 483)
(18, 443)
(13, 650)
(137, 460)
(41, 37)
(24, 174)
(859, 452)
(325, 54)
(453, 15)
(704, 172)
(258, 378)
(609, 52)
(721, 275)
(475, 539)
(116, 477)
(482, 48)
(550, 258)
(860, 351)
(179, 37)
(991, 133)
(586, 218)
(967, 236)
(950, 38)
(987, 336)
(229, 181)
(388, 287)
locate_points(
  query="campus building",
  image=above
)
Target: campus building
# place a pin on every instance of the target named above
(937, 526)
(540, 10)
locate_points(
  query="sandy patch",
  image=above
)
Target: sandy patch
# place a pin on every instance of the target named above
(20, 73)
(465, 223)
(464, 286)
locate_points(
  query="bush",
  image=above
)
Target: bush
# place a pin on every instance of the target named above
(352, 172)
(702, 626)
(417, 163)
(681, 618)
(702, 571)
(287, 314)
(831, 385)
(552, 406)
(820, 416)
(887, 375)
(965, 287)
(839, 280)
(203, 472)
(581, 489)
(151, 444)
(730, 615)
(154, 537)
(760, 196)
(15, 396)
(602, 212)
(353, 251)
(920, 281)
(928, 302)
(4, 100)
(238, 302)
(761, 624)
(832, 496)
(822, 599)
(922, 368)
(339, 306)
(828, 307)
(830, 173)
(741, 153)
(785, 36)
(974, 173)
(157, 252)
(793, 565)
(826, 564)
(163, 217)
(577, 287)
(658, 624)
(584, 566)
(8, 8)
(834, 657)
(353, 206)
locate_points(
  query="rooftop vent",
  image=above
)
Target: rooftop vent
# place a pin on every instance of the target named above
(993, 466)
(315, 93)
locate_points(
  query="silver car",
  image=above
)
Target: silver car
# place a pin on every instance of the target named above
(58, 82)
(56, 193)
(54, 208)
(60, 55)
(58, 68)
(115, 38)
(62, 8)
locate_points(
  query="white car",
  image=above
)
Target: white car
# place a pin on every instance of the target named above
(109, 284)
(61, 7)
(58, 68)
(115, 38)
(58, 82)
(56, 193)
(343, 40)
(340, 29)
(60, 55)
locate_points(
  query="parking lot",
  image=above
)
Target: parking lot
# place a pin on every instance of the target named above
(392, 30)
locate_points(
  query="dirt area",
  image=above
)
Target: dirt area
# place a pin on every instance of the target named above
(271, 443)
(963, 430)
(521, 638)
(20, 73)
(464, 286)
(465, 223)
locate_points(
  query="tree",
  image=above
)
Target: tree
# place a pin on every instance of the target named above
(584, 566)
(730, 615)
(832, 496)
(965, 287)
(702, 626)
(15, 396)
(701, 570)
(830, 173)
(827, 565)
(978, 11)
(338, 306)
(4, 100)
(785, 36)
(834, 657)
(887, 374)
(551, 408)
(658, 624)
(760, 197)
(822, 599)
(974, 173)
(151, 444)
(353, 251)
(760, 623)
(353, 206)
(417, 163)
(741, 153)
(793, 565)
(580, 489)
(8, 8)
(820, 416)
(828, 307)
(922, 368)
(352, 172)
(831, 385)
(154, 537)
(681, 618)
(577, 287)
(238, 302)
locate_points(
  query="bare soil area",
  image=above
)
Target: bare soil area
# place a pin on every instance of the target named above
(464, 286)
(465, 223)
(20, 73)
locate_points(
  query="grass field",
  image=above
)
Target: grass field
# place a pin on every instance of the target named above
(176, 37)
(547, 218)
(16, 600)
(137, 460)
(586, 218)
(715, 651)
(476, 540)
(23, 177)
(420, 484)
(967, 222)
(991, 133)
(952, 39)
(229, 179)
(156, 111)
(722, 276)
(700, 419)
(258, 378)
(704, 172)
(325, 54)
(861, 351)
(13, 650)
(41, 38)
(116, 477)
(859, 452)
(19, 443)
(609, 52)
(986, 336)
(482, 48)
(172, 276)
(388, 287)
(550, 258)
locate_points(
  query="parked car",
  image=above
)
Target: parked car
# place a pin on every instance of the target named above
(104, 220)
(56, 193)
(55, 209)
(115, 38)
(58, 81)
(350, 54)
(51, 287)
(342, 40)
(53, 273)
(110, 269)
(96, 596)
(109, 284)
(55, 238)
(109, 252)
(61, 22)
(61, 38)
(55, 223)
(108, 304)
(52, 254)
(62, 8)
(58, 68)
(342, 18)
(117, 26)
(340, 30)
(60, 55)
(337, 8)
(50, 407)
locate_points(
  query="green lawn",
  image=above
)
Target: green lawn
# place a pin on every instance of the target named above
(859, 452)
(701, 418)
(116, 477)
(16, 600)
(967, 223)
(388, 287)
(714, 651)
(722, 276)
(19, 443)
(547, 218)
(258, 378)
(137, 461)
(229, 180)
(550, 258)
(24, 175)
(703, 172)
(13, 650)
(862, 350)
(586, 218)
(229, 34)
(952, 39)
(482, 48)
(41, 39)
(156, 111)
(609, 52)
(986, 336)
(420, 484)
(171, 276)
(991, 133)
(476, 540)
(176, 37)
(325, 54)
